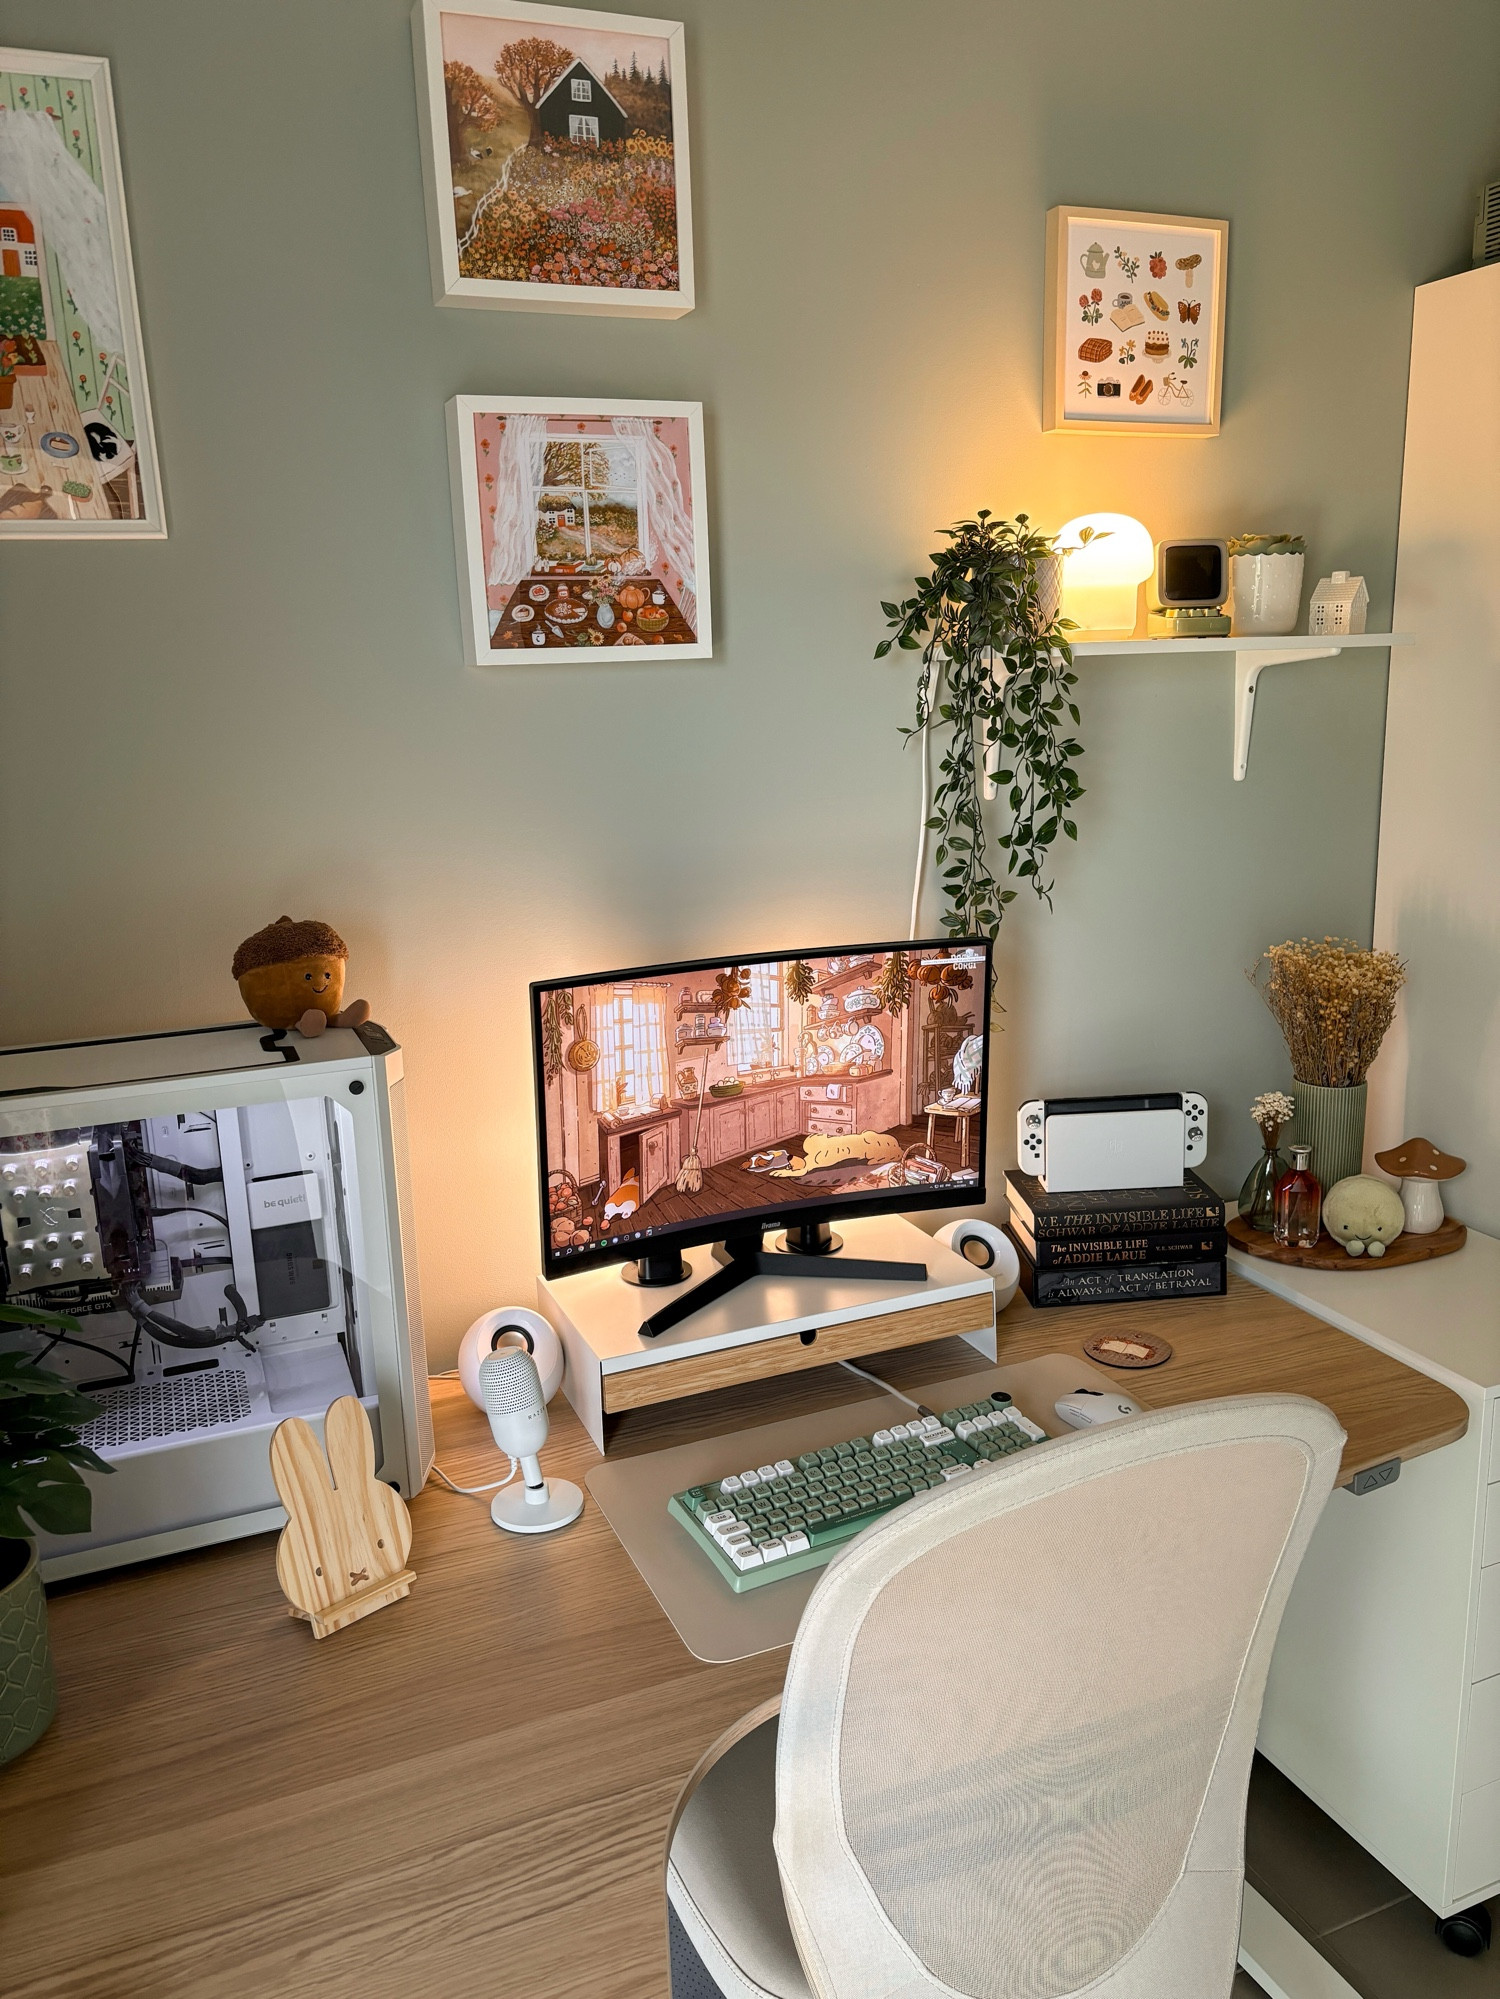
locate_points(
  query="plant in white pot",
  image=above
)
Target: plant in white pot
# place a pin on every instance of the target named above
(41, 1487)
(1265, 572)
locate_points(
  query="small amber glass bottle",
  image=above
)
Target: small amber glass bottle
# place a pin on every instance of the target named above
(1299, 1203)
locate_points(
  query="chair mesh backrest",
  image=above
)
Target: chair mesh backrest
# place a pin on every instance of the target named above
(1009, 1707)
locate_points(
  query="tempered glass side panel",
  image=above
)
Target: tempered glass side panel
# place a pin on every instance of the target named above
(210, 1256)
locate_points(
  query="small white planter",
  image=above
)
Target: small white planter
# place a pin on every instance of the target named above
(1267, 592)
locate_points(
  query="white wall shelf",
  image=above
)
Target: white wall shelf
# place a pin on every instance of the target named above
(1251, 658)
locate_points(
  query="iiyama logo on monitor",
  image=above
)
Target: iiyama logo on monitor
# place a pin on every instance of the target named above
(693, 1102)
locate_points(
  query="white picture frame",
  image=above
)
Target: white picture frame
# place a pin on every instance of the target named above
(518, 168)
(620, 537)
(78, 457)
(1130, 296)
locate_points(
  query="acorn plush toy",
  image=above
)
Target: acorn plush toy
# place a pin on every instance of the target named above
(292, 975)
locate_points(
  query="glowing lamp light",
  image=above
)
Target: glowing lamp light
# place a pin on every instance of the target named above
(1102, 575)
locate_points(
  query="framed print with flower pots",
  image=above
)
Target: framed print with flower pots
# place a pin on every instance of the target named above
(1134, 322)
(77, 457)
(580, 529)
(555, 158)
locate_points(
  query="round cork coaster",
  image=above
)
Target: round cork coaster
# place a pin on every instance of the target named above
(1127, 1350)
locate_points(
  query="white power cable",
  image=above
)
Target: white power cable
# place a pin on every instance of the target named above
(916, 886)
(476, 1491)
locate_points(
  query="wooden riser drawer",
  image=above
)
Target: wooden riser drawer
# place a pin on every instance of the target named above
(670, 1380)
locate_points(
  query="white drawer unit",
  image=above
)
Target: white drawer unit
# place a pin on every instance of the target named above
(1383, 1702)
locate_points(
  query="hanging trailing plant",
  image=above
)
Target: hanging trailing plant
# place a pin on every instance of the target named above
(799, 982)
(997, 673)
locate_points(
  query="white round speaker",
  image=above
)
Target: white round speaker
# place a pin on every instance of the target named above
(989, 1249)
(510, 1326)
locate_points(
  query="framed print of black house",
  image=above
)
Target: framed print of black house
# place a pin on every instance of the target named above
(555, 158)
(579, 108)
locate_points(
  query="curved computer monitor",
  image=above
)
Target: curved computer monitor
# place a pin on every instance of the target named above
(706, 1101)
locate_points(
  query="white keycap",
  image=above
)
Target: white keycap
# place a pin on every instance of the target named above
(730, 1484)
(901, 1431)
(747, 1558)
(1027, 1428)
(730, 1527)
(987, 1421)
(773, 1551)
(930, 1438)
(796, 1543)
(714, 1520)
(882, 1437)
(749, 1478)
(930, 1423)
(784, 1467)
(966, 1428)
(768, 1471)
(736, 1544)
(956, 1471)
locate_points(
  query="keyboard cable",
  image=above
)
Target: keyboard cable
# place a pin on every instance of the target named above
(864, 1374)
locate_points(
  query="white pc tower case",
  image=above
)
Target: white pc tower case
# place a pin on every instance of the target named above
(225, 1212)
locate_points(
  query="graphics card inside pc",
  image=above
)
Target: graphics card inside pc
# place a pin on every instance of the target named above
(229, 1246)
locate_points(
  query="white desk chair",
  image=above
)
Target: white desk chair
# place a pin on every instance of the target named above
(1015, 1737)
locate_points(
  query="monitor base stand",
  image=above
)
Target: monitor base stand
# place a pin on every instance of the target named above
(742, 1256)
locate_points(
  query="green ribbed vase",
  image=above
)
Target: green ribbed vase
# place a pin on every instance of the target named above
(28, 1690)
(1331, 1119)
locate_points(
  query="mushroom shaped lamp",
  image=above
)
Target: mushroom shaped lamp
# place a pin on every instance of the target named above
(1106, 559)
(1421, 1169)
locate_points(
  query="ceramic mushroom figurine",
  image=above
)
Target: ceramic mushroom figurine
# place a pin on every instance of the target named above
(292, 975)
(1421, 1169)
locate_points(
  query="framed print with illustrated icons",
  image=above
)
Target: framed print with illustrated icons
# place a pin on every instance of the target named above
(1135, 322)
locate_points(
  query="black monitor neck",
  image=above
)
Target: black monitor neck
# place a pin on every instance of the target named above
(813, 1250)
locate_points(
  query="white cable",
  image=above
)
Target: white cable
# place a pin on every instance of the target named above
(881, 1384)
(476, 1491)
(916, 886)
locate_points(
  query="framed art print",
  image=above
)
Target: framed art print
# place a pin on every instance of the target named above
(580, 529)
(77, 457)
(1135, 322)
(555, 158)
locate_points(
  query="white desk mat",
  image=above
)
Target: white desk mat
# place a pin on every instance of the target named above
(714, 1623)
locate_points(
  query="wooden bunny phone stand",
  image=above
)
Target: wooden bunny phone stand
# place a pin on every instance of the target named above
(343, 1550)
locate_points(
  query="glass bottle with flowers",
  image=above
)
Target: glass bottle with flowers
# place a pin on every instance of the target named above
(1272, 1112)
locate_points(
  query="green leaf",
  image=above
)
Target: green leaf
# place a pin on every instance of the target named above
(883, 648)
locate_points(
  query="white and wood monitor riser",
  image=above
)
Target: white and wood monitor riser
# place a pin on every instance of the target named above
(770, 1326)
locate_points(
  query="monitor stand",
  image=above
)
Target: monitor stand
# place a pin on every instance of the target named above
(811, 1251)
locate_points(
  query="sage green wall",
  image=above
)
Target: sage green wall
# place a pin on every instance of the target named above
(267, 712)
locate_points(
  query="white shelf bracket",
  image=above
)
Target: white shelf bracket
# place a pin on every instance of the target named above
(1248, 667)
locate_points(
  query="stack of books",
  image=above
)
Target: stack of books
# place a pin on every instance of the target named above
(1119, 1245)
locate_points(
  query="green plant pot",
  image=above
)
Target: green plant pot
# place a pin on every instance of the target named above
(28, 1690)
(1331, 1119)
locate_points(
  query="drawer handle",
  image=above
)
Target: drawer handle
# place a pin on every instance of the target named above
(807, 1339)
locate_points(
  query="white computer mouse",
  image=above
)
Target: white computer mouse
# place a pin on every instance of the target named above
(1087, 1408)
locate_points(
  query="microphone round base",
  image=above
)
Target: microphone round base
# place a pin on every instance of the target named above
(512, 1510)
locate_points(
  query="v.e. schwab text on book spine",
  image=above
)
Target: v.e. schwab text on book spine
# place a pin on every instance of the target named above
(1122, 1249)
(1117, 1211)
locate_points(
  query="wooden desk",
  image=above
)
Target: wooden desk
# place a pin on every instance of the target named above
(469, 1792)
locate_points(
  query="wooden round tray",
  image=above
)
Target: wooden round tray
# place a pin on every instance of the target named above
(1326, 1254)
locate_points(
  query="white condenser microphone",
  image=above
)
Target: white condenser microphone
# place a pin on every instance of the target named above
(517, 1409)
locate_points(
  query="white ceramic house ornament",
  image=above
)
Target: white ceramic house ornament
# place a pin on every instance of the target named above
(1338, 604)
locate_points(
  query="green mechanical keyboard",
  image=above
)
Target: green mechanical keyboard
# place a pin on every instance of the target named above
(777, 1520)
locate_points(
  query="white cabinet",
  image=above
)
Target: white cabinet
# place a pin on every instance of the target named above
(1383, 1702)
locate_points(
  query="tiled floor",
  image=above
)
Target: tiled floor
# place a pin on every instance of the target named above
(1358, 1916)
